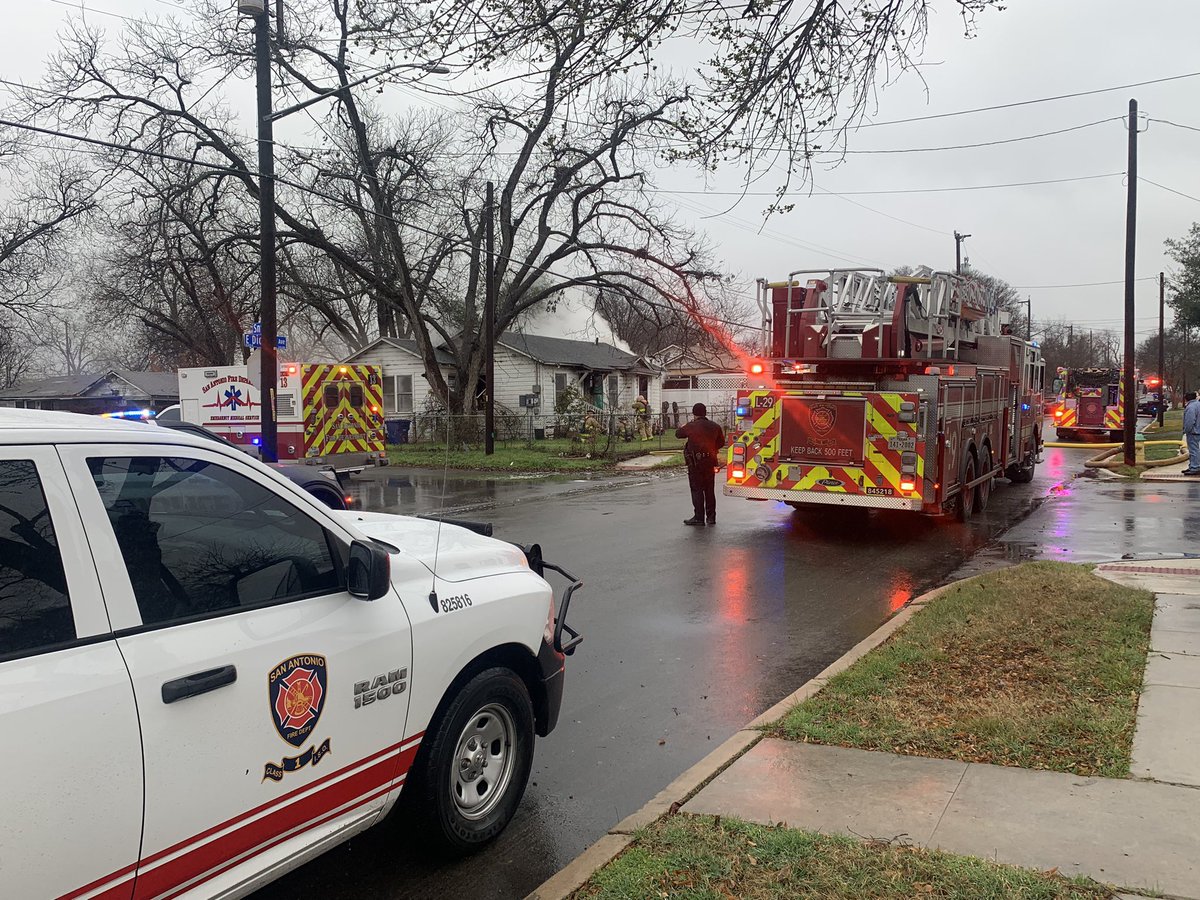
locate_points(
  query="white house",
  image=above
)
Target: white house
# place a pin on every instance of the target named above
(695, 375)
(532, 371)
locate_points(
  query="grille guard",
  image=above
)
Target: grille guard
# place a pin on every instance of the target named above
(533, 555)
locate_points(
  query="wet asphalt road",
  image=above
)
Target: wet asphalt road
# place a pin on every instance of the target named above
(689, 633)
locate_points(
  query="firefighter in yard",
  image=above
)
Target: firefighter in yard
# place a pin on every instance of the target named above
(704, 440)
(641, 418)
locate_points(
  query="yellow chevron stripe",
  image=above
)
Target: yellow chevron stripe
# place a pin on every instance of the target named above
(878, 423)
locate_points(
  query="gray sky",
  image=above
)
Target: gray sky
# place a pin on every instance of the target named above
(1034, 236)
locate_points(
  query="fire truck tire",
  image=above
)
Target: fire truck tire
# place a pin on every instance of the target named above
(1023, 474)
(985, 487)
(966, 498)
(489, 722)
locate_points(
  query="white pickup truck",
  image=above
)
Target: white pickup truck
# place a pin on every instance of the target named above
(207, 677)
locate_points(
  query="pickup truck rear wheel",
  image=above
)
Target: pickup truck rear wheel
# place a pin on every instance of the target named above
(469, 778)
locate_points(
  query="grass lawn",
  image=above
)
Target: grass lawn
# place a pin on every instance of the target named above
(1037, 666)
(705, 858)
(1162, 452)
(513, 458)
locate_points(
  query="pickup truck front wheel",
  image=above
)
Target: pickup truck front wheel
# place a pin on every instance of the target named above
(468, 784)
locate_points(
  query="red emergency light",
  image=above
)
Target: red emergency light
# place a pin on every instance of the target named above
(291, 369)
(908, 485)
(1058, 414)
(756, 368)
(1153, 382)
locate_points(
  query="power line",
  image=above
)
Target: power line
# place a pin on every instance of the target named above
(936, 190)
(1015, 140)
(1175, 124)
(979, 109)
(1168, 190)
(247, 172)
(1044, 287)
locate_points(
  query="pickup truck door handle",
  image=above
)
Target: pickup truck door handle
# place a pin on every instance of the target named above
(199, 683)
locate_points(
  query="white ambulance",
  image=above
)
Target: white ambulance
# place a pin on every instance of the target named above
(207, 677)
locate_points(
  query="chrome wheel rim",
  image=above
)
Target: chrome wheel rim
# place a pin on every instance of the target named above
(483, 761)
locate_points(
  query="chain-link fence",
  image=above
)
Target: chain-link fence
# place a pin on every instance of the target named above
(595, 433)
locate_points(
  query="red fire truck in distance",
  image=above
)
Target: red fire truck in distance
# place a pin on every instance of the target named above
(1093, 404)
(886, 392)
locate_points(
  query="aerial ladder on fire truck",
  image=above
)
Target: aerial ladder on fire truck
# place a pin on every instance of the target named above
(932, 313)
(901, 392)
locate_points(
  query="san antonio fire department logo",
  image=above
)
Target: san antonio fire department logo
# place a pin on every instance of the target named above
(822, 419)
(297, 688)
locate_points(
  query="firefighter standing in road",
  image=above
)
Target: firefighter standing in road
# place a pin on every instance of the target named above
(704, 439)
(1191, 431)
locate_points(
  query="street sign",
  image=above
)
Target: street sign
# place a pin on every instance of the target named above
(253, 340)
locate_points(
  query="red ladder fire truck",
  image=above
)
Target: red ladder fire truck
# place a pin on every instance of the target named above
(886, 392)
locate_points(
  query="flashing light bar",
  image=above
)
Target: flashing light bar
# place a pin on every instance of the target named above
(129, 414)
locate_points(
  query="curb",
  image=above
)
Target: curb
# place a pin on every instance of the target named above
(576, 873)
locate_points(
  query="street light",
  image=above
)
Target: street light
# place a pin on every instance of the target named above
(269, 370)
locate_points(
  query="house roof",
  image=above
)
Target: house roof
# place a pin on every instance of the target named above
(154, 384)
(579, 354)
(55, 386)
(408, 345)
(698, 359)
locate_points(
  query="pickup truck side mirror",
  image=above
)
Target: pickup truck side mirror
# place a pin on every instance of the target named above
(370, 571)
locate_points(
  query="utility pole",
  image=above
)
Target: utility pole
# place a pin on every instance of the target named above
(1028, 318)
(1162, 346)
(1130, 246)
(269, 376)
(958, 239)
(489, 315)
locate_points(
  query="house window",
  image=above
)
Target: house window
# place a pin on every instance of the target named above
(398, 394)
(677, 383)
(404, 394)
(560, 386)
(614, 391)
(644, 386)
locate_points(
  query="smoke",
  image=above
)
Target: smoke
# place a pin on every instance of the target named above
(572, 318)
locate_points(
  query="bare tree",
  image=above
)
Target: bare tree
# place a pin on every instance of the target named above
(51, 196)
(385, 217)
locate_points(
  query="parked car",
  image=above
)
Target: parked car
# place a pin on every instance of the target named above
(1148, 405)
(209, 677)
(320, 481)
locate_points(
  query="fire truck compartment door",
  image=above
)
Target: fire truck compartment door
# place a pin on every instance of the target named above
(823, 431)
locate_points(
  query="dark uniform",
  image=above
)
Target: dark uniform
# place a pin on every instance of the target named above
(704, 440)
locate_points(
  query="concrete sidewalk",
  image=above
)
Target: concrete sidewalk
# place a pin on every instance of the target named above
(1173, 472)
(1134, 834)
(1141, 833)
